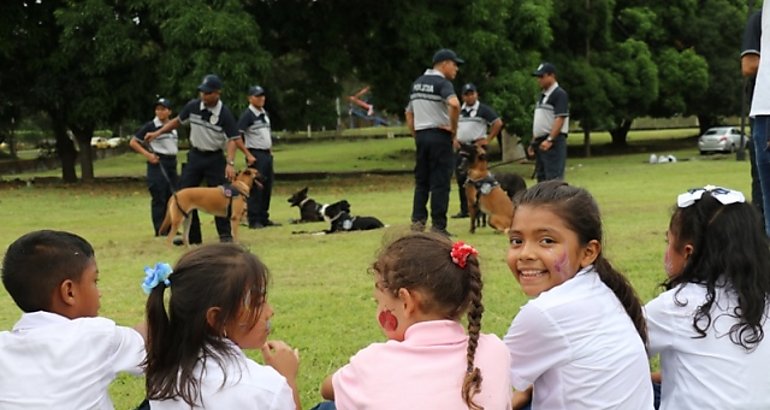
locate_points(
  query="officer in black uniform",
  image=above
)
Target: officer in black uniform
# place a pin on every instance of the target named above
(212, 128)
(432, 115)
(161, 159)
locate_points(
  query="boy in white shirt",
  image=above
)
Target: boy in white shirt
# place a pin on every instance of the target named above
(60, 354)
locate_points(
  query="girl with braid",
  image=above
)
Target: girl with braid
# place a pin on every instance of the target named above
(422, 285)
(580, 342)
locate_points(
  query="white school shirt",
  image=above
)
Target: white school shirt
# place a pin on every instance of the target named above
(249, 386)
(51, 362)
(578, 347)
(760, 104)
(709, 372)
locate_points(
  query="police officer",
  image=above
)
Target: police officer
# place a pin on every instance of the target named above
(162, 178)
(212, 127)
(254, 125)
(550, 126)
(478, 124)
(432, 115)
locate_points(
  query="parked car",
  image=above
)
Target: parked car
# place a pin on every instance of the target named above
(720, 139)
(115, 142)
(99, 142)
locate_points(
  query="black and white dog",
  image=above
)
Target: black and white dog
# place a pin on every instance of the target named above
(309, 209)
(338, 214)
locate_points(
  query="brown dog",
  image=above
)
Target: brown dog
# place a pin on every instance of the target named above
(223, 201)
(484, 193)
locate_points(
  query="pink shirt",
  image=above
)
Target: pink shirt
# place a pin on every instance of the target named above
(425, 371)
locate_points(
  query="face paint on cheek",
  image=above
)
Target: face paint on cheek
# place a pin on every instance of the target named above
(388, 321)
(561, 266)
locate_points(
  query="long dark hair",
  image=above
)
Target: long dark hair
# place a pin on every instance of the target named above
(580, 212)
(422, 261)
(730, 249)
(223, 276)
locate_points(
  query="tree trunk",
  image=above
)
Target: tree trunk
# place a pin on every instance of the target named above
(706, 121)
(586, 125)
(66, 151)
(83, 137)
(619, 134)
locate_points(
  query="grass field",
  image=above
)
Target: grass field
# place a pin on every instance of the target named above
(320, 289)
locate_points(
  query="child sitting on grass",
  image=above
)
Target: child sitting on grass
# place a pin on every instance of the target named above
(709, 326)
(60, 355)
(217, 305)
(423, 284)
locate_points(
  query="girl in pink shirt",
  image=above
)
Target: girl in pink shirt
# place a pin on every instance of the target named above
(423, 284)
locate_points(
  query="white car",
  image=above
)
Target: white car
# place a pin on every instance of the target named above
(720, 139)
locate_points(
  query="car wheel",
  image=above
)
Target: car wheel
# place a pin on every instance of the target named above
(703, 152)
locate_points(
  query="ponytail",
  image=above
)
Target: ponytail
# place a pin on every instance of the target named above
(621, 287)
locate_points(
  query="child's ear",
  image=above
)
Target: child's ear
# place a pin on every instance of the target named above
(212, 315)
(67, 292)
(409, 300)
(590, 253)
(688, 250)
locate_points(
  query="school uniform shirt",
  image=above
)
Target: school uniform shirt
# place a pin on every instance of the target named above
(760, 103)
(474, 122)
(706, 372)
(48, 361)
(164, 144)
(249, 386)
(254, 124)
(210, 127)
(425, 371)
(578, 347)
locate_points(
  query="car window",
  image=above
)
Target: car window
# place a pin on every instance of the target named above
(710, 132)
(734, 132)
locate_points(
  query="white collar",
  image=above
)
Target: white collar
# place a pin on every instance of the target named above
(34, 320)
(258, 111)
(550, 89)
(473, 107)
(431, 71)
(215, 109)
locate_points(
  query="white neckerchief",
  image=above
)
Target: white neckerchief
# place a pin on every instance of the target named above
(214, 110)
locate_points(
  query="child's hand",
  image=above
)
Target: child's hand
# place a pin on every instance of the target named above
(282, 358)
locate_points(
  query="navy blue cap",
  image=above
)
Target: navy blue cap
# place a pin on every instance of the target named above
(210, 83)
(446, 54)
(470, 87)
(256, 90)
(544, 68)
(164, 102)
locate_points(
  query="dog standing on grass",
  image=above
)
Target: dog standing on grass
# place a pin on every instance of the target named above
(223, 201)
(484, 193)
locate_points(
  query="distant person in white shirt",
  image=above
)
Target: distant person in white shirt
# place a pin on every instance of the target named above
(709, 327)
(580, 342)
(60, 355)
(217, 305)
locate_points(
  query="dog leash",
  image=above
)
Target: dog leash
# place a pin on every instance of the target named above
(166, 177)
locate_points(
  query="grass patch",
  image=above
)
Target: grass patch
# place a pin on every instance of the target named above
(320, 288)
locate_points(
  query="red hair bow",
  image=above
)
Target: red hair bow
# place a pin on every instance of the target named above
(460, 252)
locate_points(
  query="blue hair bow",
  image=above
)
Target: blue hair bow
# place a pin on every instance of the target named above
(155, 276)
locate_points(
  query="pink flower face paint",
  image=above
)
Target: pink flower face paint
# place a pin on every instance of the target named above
(561, 267)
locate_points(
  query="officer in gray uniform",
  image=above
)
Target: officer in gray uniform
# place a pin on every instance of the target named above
(478, 124)
(550, 126)
(432, 115)
(254, 124)
(162, 178)
(212, 128)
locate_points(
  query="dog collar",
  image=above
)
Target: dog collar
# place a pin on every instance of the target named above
(303, 202)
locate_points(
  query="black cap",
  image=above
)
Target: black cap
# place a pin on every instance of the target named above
(256, 90)
(446, 54)
(544, 68)
(467, 88)
(210, 83)
(164, 102)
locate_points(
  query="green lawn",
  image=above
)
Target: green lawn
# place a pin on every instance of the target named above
(320, 289)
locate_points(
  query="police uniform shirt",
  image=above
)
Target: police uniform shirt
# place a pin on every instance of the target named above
(428, 100)
(254, 124)
(475, 121)
(554, 102)
(164, 144)
(210, 127)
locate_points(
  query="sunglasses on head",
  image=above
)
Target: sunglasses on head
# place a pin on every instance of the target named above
(725, 196)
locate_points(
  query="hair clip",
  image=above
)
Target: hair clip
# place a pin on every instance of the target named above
(724, 195)
(460, 252)
(155, 276)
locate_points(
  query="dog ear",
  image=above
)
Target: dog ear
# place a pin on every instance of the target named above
(303, 191)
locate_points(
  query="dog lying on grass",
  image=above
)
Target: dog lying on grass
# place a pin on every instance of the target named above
(484, 192)
(338, 214)
(227, 201)
(309, 209)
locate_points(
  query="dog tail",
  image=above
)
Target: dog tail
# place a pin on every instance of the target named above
(166, 224)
